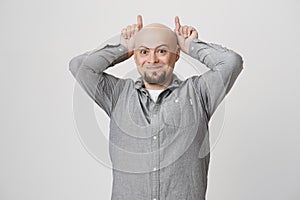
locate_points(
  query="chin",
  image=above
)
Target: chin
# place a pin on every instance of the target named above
(158, 79)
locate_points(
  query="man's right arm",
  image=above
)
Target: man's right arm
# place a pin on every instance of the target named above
(88, 70)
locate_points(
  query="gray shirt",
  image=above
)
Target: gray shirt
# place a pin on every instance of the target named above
(159, 150)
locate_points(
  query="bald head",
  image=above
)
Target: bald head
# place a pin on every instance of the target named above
(157, 25)
(154, 35)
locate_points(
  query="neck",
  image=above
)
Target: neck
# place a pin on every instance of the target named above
(154, 87)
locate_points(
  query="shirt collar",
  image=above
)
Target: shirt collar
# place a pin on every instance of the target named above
(139, 83)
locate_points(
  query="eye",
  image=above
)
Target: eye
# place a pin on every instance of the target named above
(143, 51)
(162, 51)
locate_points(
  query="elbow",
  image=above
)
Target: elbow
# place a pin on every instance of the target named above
(76, 62)
(236, 61)
(74, 65)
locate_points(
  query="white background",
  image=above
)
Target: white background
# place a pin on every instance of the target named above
(41, 156)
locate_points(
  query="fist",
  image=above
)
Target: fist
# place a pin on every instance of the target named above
(185, 34)
(128, 33)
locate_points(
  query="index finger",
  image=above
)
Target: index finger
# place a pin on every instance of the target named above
(177, 23)
(140, 21)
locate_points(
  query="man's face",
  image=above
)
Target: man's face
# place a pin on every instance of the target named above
(155, 55)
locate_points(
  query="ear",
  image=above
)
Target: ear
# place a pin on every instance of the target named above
(177, 53)
(134, 56)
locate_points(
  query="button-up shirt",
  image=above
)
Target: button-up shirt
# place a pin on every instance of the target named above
(159, 150)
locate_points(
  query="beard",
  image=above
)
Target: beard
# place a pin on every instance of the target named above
(155, 77)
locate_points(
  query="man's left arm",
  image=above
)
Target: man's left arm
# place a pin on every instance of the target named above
(225, 65)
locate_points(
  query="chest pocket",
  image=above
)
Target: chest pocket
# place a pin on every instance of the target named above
(178, 112)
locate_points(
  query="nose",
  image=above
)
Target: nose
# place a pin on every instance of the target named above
(152, 57)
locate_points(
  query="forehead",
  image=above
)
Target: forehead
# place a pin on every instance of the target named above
(155, 37)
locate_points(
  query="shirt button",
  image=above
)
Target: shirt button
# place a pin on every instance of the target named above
(154, 198)
(120, 49)
(176, 100)
(154, 137)
(154, 169)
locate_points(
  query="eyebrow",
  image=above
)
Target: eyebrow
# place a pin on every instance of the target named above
(155, 47)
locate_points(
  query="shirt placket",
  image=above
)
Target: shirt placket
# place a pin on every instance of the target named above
(155, 179)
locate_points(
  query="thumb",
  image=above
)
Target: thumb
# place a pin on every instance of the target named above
(177, 23)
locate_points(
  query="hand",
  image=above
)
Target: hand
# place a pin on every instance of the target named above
(128, 33)
(185, 34)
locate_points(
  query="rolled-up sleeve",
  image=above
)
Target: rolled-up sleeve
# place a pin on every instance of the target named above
(225, 66)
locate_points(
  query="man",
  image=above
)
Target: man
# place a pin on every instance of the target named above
(158, 123)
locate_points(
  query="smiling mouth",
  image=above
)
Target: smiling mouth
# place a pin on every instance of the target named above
(153, 67)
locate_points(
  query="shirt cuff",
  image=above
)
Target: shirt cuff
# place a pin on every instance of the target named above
(106, 56)
(194, 48)
(117, 49)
